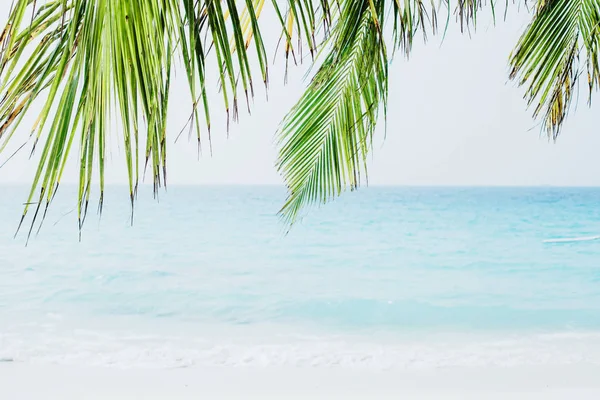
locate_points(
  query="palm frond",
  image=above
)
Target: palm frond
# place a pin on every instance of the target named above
(546, 58)
(91, 53)
(412, 17)
(325, 138)
(91, 59)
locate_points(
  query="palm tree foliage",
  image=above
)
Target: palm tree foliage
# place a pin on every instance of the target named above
(89, 63)
(547, 56)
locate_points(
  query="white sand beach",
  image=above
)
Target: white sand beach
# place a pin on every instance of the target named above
(22, 381)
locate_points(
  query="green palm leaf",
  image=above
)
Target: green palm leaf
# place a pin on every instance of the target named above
(325, 138)
(546, 57)
(91, 59)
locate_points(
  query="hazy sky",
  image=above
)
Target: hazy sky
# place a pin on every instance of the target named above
(454, 119)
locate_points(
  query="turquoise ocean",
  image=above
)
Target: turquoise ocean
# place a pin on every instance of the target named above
(386, 277)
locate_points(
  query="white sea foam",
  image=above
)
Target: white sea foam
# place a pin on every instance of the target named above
(87, 348)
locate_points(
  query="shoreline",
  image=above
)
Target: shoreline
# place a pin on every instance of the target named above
(20, 381)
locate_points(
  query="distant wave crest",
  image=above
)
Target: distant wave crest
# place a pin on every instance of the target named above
(574, 239)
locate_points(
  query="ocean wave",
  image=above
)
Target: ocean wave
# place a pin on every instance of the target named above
(573, 239)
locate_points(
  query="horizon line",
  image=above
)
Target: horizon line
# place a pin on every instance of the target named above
(365, 186)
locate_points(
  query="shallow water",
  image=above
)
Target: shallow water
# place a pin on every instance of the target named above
(384, 277)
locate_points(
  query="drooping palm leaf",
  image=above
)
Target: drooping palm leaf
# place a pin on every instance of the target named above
(100, 56)
(326, 136)
(546, 57)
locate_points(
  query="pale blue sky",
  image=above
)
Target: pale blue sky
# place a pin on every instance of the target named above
(454, 119)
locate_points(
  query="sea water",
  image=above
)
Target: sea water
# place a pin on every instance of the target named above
(381, 278)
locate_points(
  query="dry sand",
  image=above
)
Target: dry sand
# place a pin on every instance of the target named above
(23, 381)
